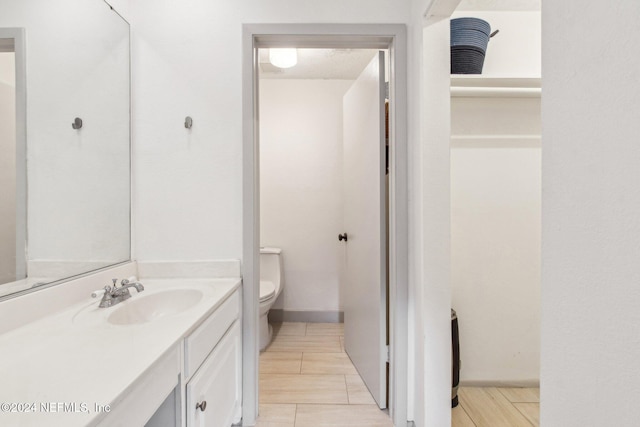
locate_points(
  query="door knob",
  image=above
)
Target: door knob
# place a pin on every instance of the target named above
(202, 405)
(342, 237)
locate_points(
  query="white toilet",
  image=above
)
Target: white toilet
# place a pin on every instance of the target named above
(271, 284)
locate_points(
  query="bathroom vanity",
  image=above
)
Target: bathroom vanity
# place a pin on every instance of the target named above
(174, 350)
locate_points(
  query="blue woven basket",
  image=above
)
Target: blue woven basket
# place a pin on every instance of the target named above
(469, 40)
(471, 24)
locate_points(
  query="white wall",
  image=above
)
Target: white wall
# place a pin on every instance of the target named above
(7, 169)
(429, 214)
(301, 208)
(187, 61)
(429, 226)
(495, 240)
(591, 227)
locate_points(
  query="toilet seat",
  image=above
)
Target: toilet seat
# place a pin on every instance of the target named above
(267, 290)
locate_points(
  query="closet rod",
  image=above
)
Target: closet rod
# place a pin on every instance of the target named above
(502, 136)
(496, 141)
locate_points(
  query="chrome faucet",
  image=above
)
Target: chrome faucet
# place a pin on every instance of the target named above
(112, 295)
(126, 284)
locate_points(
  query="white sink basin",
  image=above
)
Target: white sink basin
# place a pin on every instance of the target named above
(145, 308)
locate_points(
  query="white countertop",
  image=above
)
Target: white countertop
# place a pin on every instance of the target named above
(76, 357)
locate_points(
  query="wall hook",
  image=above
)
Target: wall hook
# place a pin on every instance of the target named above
(77, 123)
(188, 122)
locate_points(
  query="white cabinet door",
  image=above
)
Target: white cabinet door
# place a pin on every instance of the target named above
(213, 394)
(365, 319)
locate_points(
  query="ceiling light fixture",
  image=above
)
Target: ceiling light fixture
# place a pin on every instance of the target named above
(283, 58)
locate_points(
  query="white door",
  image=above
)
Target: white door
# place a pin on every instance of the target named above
(365, 318)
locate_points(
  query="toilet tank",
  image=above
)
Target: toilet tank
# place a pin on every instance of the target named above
(271, 266)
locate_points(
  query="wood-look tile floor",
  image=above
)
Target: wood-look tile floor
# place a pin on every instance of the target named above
(497, 407)
(307, 380)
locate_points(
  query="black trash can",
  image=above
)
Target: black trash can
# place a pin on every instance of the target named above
(455, 358)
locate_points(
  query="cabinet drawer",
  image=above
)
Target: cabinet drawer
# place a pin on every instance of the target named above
(200, 343)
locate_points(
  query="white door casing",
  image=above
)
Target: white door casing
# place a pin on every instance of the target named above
(368, 36)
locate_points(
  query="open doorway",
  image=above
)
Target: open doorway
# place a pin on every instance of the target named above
(391, 37)
(323, 200)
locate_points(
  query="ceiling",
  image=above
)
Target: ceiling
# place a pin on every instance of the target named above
(327, 64)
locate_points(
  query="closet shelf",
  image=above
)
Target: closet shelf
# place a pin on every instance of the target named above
(478, 86)
(496, 140)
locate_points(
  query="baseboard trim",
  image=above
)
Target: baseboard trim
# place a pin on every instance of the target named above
(514, 383)
(280, 315)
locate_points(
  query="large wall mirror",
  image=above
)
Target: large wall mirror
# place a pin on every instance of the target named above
(64, 141)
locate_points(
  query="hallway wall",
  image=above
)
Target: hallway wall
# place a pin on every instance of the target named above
(590, 204)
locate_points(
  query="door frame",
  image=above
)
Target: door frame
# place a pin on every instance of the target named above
(367, 36)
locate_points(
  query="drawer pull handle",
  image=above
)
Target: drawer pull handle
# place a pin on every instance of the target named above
(202, 405)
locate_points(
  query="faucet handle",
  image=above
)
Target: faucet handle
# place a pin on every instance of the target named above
(100, 292)
(115, 282)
